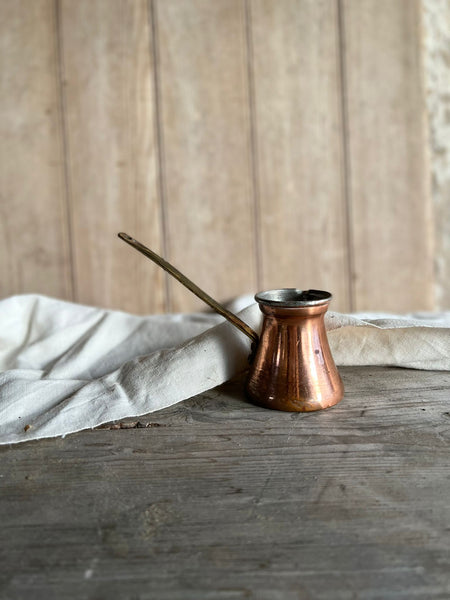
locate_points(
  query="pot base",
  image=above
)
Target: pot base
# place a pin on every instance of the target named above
(290, 405)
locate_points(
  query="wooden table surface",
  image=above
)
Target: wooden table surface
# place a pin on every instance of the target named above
(219, 499)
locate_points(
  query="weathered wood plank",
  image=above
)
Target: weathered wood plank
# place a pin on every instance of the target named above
(436, 24)
(109, 97)
(206, 138)
(389, 179)
(34, 236)
(299, 146)
(221, 499)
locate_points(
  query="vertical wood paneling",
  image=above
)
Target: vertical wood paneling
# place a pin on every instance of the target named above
(205, 133)
(299, 145)
(34, 246)
(110, 128)
(436, 25)
(391, 217)
(257, 143)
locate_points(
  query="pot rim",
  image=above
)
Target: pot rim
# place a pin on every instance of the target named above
(293, 297)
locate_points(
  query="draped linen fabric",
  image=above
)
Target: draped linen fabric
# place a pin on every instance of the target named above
(67, 367)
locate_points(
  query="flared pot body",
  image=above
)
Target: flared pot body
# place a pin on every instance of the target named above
(293, 369)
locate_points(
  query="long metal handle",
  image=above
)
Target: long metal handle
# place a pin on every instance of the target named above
(236, 321)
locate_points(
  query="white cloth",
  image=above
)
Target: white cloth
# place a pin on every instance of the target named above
(67, 367)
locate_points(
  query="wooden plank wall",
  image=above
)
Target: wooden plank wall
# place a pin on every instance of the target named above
(254, 143)
(436, 35)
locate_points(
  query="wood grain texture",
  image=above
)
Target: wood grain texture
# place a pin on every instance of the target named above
(436, 25)
(217, 498)
(255, 143)
(387, 146)
(299, 146)
(206, 146)
(112, 164)
(34, 236)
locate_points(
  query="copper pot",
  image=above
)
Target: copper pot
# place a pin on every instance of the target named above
(293, 368)
(291, 365)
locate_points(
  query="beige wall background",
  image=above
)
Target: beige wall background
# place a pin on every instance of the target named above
(254, 143)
